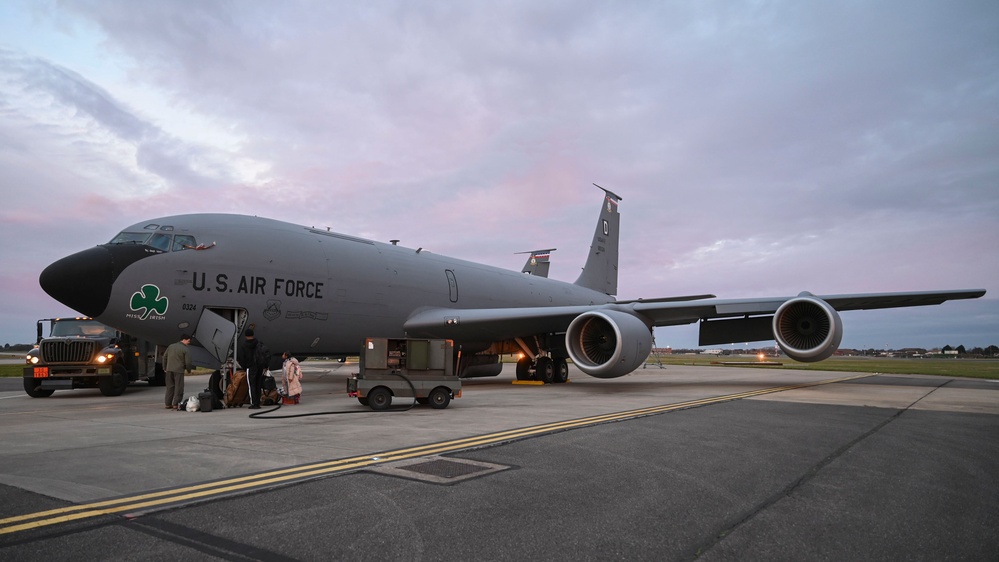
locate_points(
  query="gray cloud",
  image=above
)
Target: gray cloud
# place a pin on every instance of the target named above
(761, 148)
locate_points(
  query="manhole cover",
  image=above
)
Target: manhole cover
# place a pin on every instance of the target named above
(445, 468)
(439, 470)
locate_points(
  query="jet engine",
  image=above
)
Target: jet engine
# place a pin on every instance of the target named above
(608, 343)
(807, 328)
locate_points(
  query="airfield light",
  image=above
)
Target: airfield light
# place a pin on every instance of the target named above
(761, 356)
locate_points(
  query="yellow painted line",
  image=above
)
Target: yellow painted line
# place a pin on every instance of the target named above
(251, 482)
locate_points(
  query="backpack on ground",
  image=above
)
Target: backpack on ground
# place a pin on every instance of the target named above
(237, 393)
(217, 388)
(268, 391)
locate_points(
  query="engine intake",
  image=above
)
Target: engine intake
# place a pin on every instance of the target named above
(807, 329)
(608, 343)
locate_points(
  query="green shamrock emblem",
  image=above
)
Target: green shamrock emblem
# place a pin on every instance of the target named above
(148, 299)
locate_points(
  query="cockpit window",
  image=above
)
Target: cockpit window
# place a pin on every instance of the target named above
(160, 241)
(130, 238)
(183, 242)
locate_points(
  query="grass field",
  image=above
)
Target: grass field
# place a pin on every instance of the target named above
(972, 368)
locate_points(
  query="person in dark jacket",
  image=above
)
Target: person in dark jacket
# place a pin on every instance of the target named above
(254, 357)
(176, 363)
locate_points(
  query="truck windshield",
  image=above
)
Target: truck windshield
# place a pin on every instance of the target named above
(81, 328)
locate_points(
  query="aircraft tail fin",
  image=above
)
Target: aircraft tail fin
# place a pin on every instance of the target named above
(600, 271)
(538, 262)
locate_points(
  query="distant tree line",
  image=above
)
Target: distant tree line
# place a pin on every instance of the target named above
(991, 351)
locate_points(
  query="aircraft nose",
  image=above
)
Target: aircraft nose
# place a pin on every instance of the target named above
(81, 281)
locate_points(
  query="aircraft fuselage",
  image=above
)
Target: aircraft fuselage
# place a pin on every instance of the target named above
(305, 290)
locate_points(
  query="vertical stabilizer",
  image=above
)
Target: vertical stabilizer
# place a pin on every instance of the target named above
(538, 263)
(600, 271)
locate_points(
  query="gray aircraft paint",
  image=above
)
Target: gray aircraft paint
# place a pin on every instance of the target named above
(315, 292)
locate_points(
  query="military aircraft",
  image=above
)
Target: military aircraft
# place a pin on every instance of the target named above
(314, 292)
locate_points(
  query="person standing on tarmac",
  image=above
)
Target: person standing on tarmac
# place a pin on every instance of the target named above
(176, 363)
(292, 378)
(254, 357)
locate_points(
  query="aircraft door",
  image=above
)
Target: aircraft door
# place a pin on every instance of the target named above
(218, 333)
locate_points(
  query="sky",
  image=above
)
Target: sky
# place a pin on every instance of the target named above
(760, 148)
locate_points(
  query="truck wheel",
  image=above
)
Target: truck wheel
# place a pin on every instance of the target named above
(439, 398)
(544, 370)
(379, 398)
(113, 385)
(34, 391)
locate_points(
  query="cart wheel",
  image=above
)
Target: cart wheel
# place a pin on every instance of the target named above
(379, 398)
(439, 398)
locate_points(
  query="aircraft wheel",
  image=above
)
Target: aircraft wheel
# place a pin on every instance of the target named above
(379, 398)
(113, 385)
(544, 370)
(524, 368)
(439, 398)
(33, 390)
(561, 370)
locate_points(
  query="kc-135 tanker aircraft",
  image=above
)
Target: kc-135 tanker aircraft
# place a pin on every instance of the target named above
(319, 293)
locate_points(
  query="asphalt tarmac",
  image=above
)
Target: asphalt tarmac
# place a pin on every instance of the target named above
(675, 464)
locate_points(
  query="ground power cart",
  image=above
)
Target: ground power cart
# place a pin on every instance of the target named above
(391, 368)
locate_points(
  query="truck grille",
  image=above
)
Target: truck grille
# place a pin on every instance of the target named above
(68, 351)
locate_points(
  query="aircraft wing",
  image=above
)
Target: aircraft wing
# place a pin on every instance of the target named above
(667, 314)
(493, 324)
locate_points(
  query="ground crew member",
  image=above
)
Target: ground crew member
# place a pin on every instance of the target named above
(176, 363)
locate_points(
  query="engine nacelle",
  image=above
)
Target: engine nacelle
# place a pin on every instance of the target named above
(608, 343)
(807, 329)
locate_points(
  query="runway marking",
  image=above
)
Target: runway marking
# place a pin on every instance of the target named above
(136, 505)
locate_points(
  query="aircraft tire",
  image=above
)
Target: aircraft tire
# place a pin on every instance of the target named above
(113, 385)
(524, 368)
(544, 370)
(380, 398)
(439, 398)
(561, 369)
(32, 389)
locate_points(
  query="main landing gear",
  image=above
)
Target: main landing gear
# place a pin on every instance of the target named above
(544, 369)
